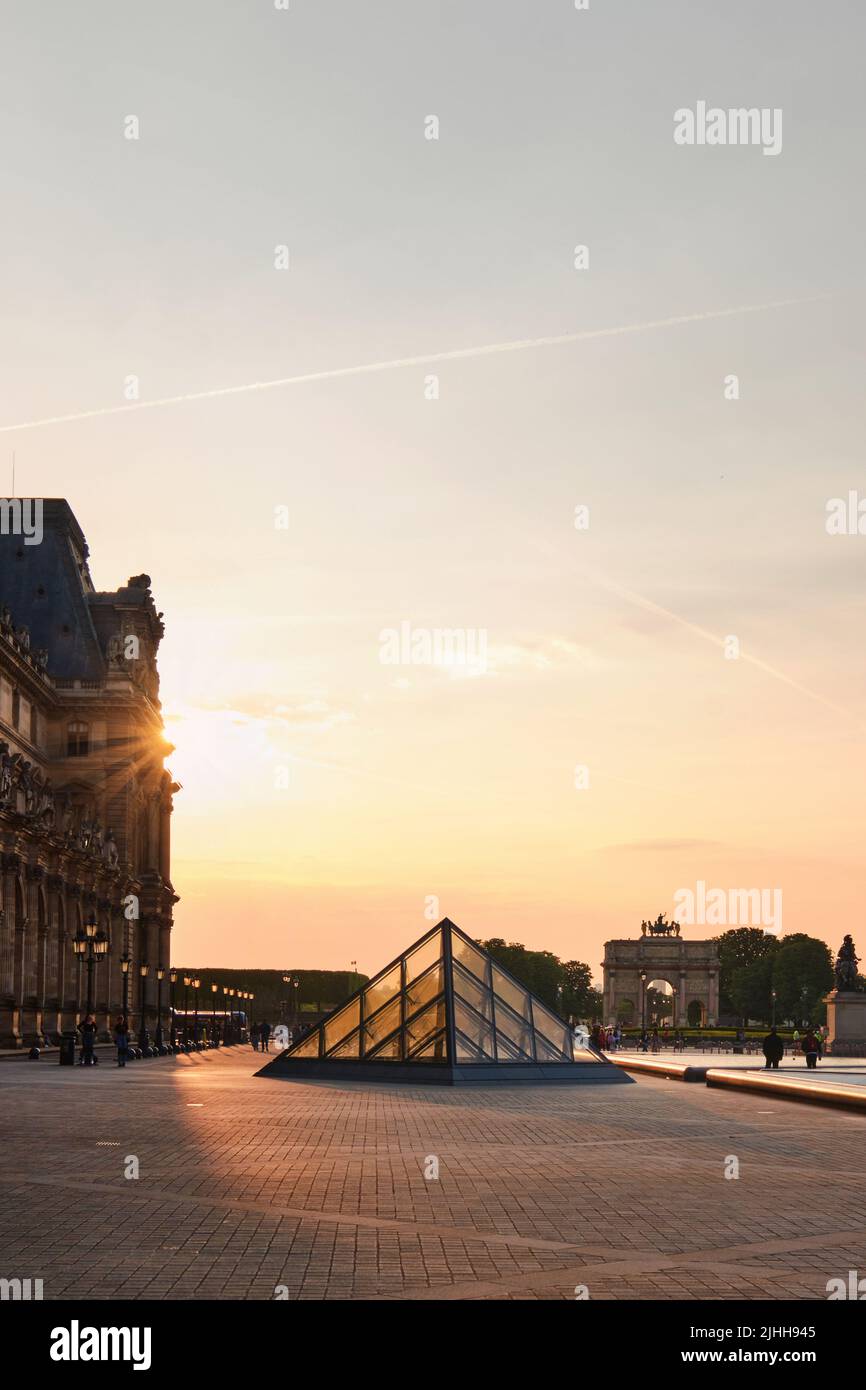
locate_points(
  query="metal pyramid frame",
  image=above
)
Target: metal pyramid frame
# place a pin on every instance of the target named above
(443, 1013)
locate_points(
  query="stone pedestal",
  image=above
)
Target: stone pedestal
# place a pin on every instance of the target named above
(846, 1020)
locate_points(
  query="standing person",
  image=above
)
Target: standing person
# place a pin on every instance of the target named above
(87, 1029)
(795, 1042)
(121, 1040)
(773, 1049)
(655, 1041)
(254, 1036)
(811, 1049)
(265, 1035)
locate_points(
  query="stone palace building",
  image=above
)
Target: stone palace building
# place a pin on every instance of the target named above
(85, 801)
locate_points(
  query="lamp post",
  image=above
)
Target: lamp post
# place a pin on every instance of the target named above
(250, 1012)
(125, 963)
(213, 1022)
(643, 1000)
(160, 976)
(143, 1035)
(196, 984)
(172, 977)
(773, 1019)
(186, 984)
(91, 945)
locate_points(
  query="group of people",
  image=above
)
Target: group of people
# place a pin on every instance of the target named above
(88, 1029)
(260, 1037)
(605, 1039)
(810, 1045)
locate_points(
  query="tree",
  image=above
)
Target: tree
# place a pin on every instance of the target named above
(565, 987)
(738, 947)
(802, 974)
(751, 988)
(578, 996)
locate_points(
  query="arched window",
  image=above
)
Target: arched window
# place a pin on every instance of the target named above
(78, 739)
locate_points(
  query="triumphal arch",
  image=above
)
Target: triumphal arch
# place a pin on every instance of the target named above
(660, 954)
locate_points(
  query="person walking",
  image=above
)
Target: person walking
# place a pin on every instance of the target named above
(121, 1040)
(811, 1049)
(265, 1036)
(87, 1029)
(795, 1042)
(254, 1036)
(774, 1050)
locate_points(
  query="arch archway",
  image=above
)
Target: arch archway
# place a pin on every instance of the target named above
(690, 969)
(659, 1002)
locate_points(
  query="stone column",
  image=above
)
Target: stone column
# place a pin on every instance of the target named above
(713, 999)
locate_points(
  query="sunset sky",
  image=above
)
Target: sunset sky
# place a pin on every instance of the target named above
(155, 258)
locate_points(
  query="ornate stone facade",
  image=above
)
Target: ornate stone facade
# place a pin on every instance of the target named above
(85, 801)
(691, 968)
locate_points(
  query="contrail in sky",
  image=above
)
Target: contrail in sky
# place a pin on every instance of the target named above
(650, 607)
(422, 360)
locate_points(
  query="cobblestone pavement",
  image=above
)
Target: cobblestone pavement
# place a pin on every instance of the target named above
(248, 1185)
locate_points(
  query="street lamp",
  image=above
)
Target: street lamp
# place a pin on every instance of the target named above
(143, 1035)
(172, 981)
(186, 984)
(196, 984)
(213, 994)
(773, 997)
(91, 945)
(125, 963)
(160, 976)
(643, 1000)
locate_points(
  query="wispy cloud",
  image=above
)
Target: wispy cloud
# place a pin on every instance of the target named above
(419, 360)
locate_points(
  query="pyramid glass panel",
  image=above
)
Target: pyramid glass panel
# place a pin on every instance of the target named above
(420, 1029)
(511, 992)
(507, 1051)
(475, 1029)
(432, 1051)
(388, 1051)
(351, 1047)
(417, 961)
(307, 1047)
(474, 993)
(554, 1031)
(517, 1030)
(383, 1023)
(425, 989)
(380, 990)
(468, 1051)
(341, 1023)
(470, 957)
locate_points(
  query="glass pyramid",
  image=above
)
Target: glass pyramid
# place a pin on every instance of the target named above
(444, 1011)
